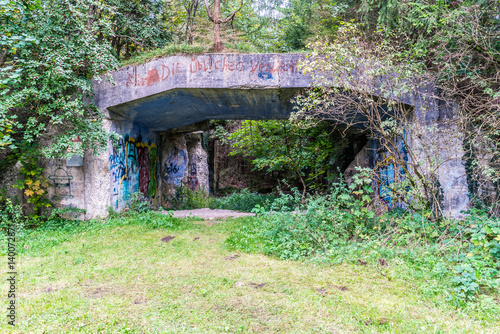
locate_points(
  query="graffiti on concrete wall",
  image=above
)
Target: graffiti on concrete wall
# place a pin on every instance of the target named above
(133, 166)
(193, 176)
(62, 182)
(174, 167)
(389, 171)
(262, 69)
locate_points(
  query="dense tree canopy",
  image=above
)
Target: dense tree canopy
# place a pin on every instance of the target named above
(50, 52)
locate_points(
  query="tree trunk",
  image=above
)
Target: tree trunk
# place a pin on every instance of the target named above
(191, 9)
(215, 18)
(217, 39)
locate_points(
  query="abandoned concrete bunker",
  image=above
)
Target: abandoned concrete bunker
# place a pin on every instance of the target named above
(160, 109)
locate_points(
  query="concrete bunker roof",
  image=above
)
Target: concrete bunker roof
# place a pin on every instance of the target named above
(176, 91)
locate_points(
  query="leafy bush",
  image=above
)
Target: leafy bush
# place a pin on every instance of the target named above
(458, 261)
(244, 201)
(484, 233)
(62, 218)
(138, 202)
(11, 215)
(297, 227)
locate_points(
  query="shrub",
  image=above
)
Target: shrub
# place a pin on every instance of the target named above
(458, 260)
(245, 201)
(11, 215)
(186, 199)
(138, 202)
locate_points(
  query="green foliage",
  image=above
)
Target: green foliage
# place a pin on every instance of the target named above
(465, 285)
(138, 26)
(457, 260)
(32, 182)
(11, 215)
(300, 148)
(296, 25)
(484, 235)
(454, 46)
(185, 198)
(297, 227)
(138, 203)
(151, 219)
(243, 200)
(50, 77)
(51, 51)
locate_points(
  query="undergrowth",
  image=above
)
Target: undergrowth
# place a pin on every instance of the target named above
(187, 199)
(244, 201)
(457, 261)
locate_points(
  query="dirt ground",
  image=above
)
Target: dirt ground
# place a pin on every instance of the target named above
(210, 214)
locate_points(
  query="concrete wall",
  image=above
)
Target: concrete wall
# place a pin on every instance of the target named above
(142, 161)
(437, 151)
(184, 162)
(133, 164)
(210, 71)
(8, 178)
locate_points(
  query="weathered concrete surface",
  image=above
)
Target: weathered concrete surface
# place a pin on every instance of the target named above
(133, 164)
(174, 164)
(211, 71)
(97, 186)
(438, 151)
(180, 90)
(68, 184)
(362, 160)
(198, 162)
(183, 162)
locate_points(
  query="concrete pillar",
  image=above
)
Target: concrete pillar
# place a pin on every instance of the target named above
(184, 162)
(437, 143)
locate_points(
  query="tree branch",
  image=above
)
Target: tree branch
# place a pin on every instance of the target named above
(230, 17)
(210, 16)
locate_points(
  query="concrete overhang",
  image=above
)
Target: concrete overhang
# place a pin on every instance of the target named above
(176, 91)
(183, 106)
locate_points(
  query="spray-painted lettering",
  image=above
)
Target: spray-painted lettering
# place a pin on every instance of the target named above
(174, 167)
(133, 166)
(263, 70)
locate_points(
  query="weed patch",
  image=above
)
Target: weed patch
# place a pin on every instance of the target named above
(449, 261)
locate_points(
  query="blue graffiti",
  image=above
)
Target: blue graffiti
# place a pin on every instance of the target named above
(388, 171)
(174, 167)
(124, 170)
(265, 75)
(387, 176)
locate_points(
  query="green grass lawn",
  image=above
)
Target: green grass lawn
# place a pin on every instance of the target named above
(124, 279)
